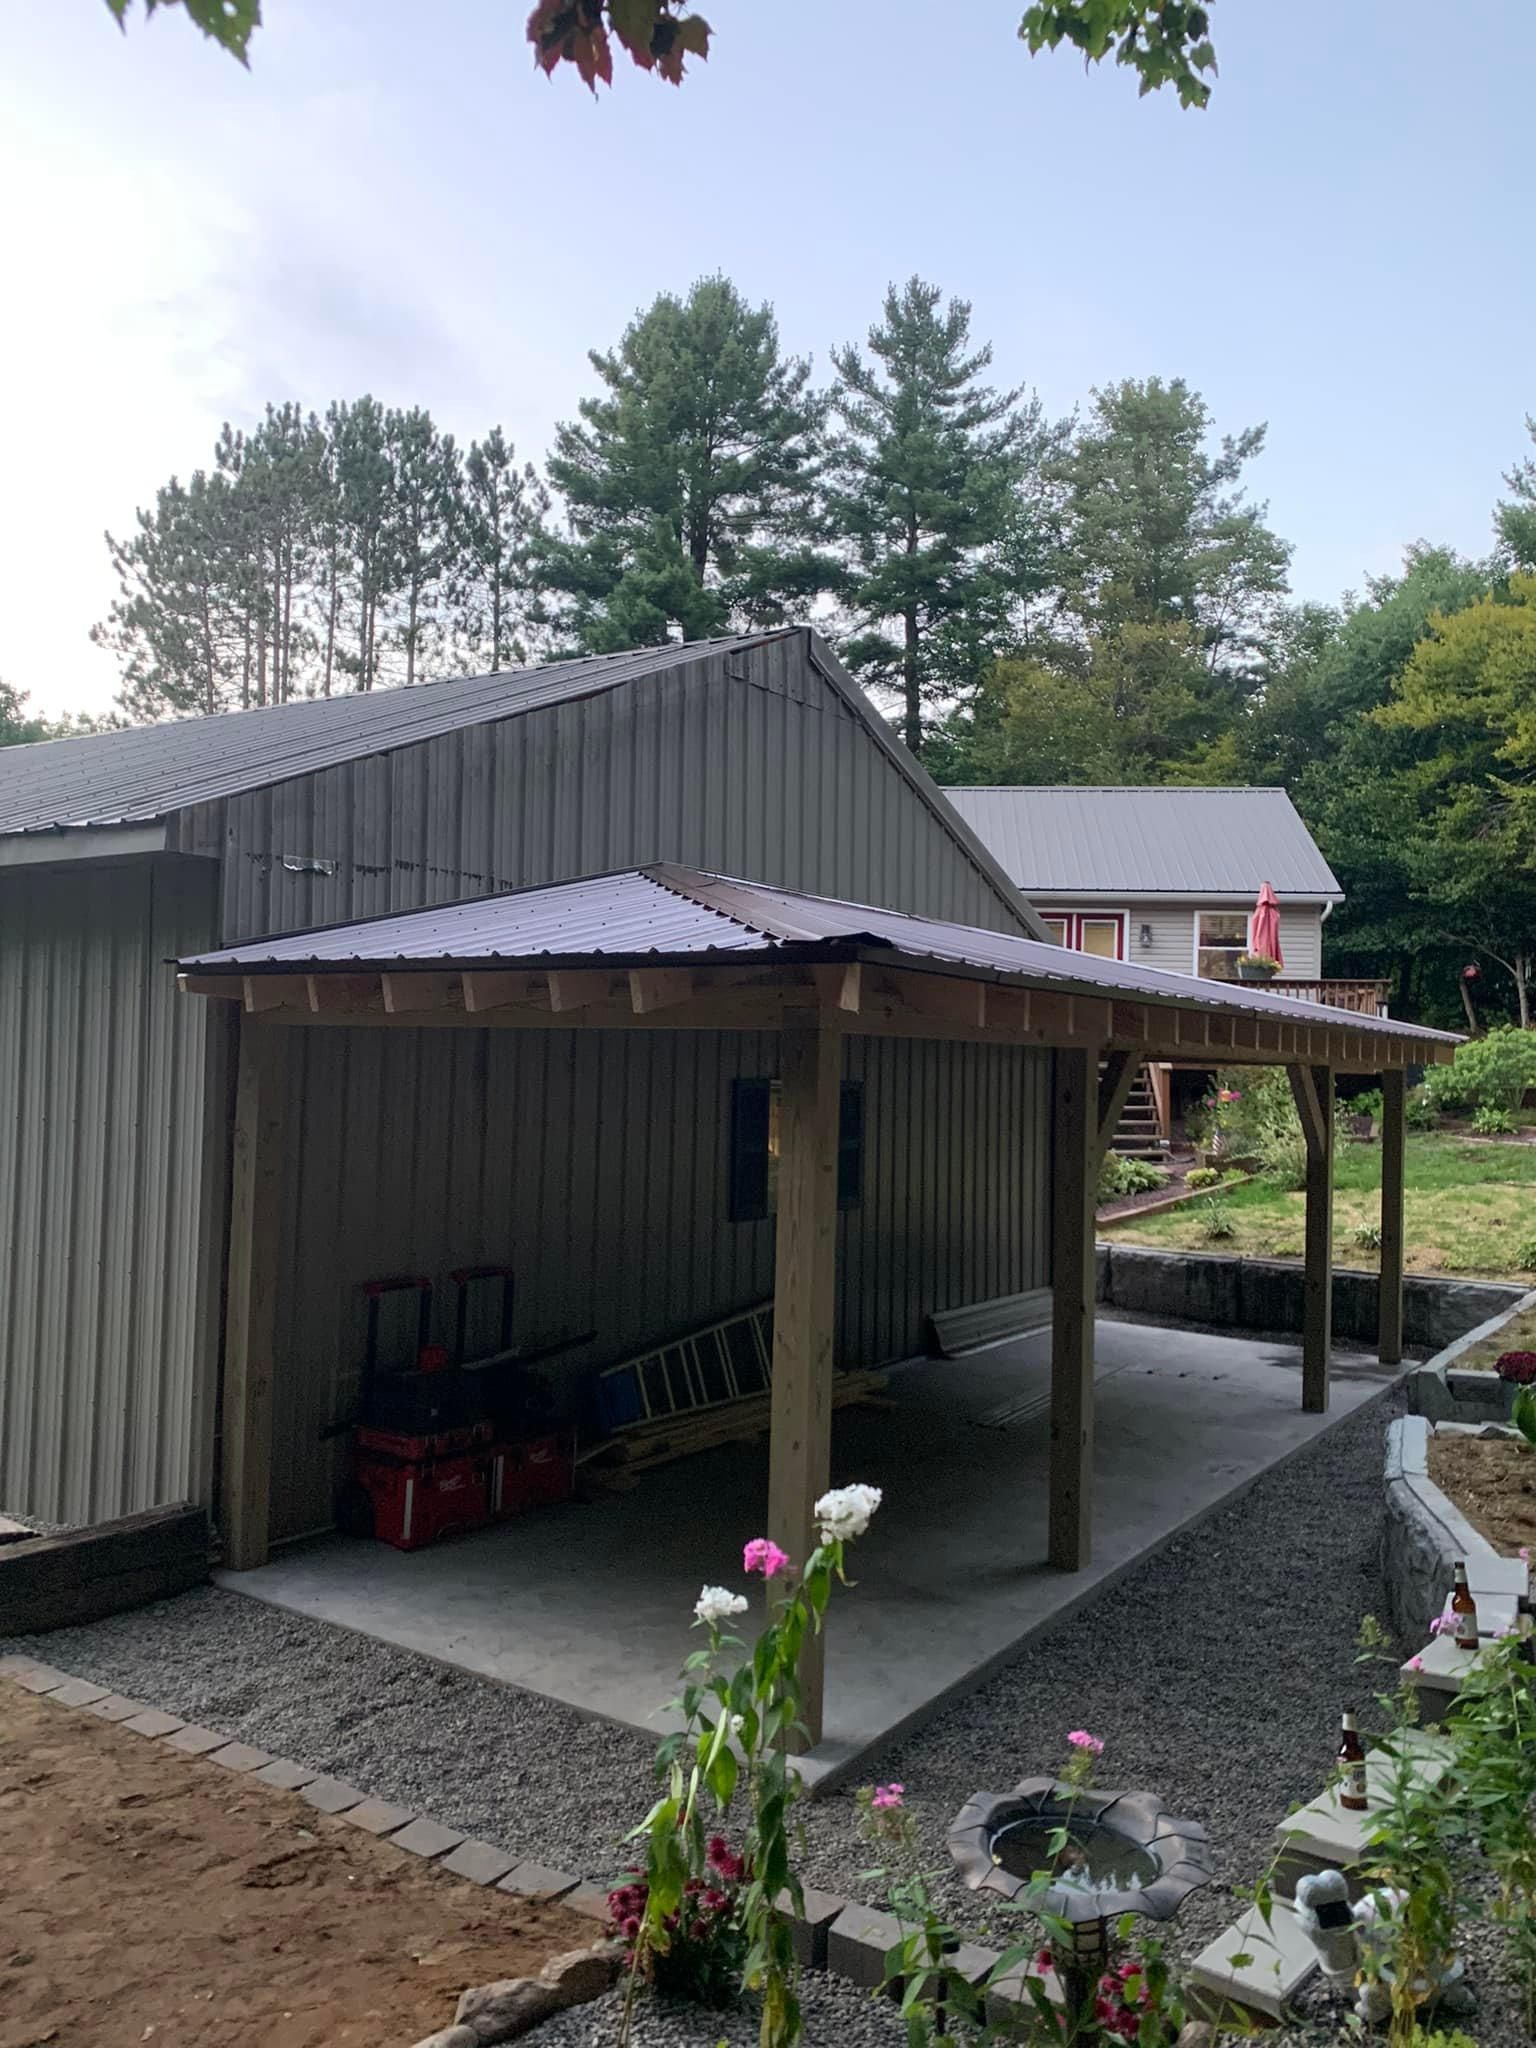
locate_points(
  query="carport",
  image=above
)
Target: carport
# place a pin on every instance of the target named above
(664, 949)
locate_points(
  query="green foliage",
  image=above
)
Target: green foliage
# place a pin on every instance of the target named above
(1216, 1217)
(1163, 44)
(229, 23)
(1202, 1177)
(1492, 1122)
(924, 504)
(689, 481)
(1367, 1236)
(1493, 1072)
(1419, 1111)
(1120, 1175)
(1525, 1255)
(1523, 1416)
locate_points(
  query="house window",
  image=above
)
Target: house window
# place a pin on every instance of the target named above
(755, 1148)
(1101, 932)
(1220, 935)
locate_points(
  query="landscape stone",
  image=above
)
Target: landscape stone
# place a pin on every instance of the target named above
(502, 2011)
(239, 1756)
(858, 1943)
(1282, 1960)
(579, 1975)
(194, 1741)
(808, 1930)
(13, 1666)
(537, 1881)
(423, 1837)
(154, 1722)
(479, 1862)
(40, 1678)
(114, 1707)
(78, 1692)
(331, 1795)
(377, 1816)
(451, 2037)
(287, 1775)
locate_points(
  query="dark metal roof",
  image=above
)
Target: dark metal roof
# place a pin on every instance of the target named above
(674, 913)
(146, 772)
(1131, 842)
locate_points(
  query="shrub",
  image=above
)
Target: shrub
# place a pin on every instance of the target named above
(1525, 1255)
(1285, 1162)
(1367, 1236)
(1490, 1122)
(1366, 1104)
(1216, 1217)
(1492, 1072)
(1202, 1177)
(1119, 1176)
(1518, 1367)
(1419, 1112)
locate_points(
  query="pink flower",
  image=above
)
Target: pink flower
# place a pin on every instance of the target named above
(1440, 1621)
(1524, 1553)
(765, 1556)
(1415, 1663)
(1081, 1739)
(885, 1797)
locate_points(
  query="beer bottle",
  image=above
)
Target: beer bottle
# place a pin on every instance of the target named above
(1352, 1765)
(1464, 1609)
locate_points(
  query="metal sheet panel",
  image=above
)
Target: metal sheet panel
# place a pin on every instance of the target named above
(101, 1082)
(1142, 842)
(597, 1164)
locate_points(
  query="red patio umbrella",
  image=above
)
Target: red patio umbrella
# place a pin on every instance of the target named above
(1264, 937)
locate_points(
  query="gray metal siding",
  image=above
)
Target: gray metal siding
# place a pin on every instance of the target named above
(749, 765)
(102, 1408)
(1173, 931)
(597, 1164)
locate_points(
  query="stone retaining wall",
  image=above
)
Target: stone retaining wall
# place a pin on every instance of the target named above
(1423, 1535)
(1266, 1294)
(1445, 1392)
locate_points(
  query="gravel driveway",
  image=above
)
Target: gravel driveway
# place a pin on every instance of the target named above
(1215, 1673)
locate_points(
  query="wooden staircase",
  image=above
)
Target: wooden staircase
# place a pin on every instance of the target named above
(1139, 1134)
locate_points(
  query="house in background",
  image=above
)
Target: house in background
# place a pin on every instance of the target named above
(1168, 877)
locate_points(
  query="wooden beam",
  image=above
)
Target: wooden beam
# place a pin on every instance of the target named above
(1394, 1135)
(804, 1307)
(493, 989)
(840, 988)
(578, 988)
(255, 1224)
(341, 991)
(407, 993)
(1115, 1085)
(1313, 1090)
(225, 987)
(1074, 1170)
(949, 998)
(275, 991)
(658, 988)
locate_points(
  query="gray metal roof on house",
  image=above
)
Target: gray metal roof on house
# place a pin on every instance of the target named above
(145, 772)
(667, 913)
(1134, 842)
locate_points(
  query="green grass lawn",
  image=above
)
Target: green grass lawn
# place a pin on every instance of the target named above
(1470, 1207)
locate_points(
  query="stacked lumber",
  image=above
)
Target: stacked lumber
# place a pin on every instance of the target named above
(667, 1437)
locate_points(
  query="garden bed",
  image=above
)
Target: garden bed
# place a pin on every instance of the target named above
(1492, 1480)
(152, 1896)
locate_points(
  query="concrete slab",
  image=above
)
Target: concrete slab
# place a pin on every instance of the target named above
(286, 1775)
(114, 1707)
(378, 1817)
(429, 1838)
(1275, 1960)
(331, 1795)
(78, 1692)
(195, 1741)
(240, 1757)
(154, 1722)
(537, 1881)
(591, 1605)
(478, 1862)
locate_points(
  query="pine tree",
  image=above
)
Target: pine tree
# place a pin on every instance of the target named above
(425, 479)
(924, 502)
(688, 481)
(365, 491)
(176, 626)
(502, 510)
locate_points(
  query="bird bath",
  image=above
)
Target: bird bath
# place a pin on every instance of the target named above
(1085, 1857)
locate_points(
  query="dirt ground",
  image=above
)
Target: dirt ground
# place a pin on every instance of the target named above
(1493, 1482)
(151, 1897)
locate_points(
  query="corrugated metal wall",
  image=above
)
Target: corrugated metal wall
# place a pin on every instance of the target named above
(751, 765)
(102, 1070)
(597, 1164)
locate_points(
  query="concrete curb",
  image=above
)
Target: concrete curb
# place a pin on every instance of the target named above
(1424, 1533)
(1443, 1393)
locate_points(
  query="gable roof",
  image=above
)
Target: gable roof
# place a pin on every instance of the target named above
(147, 771)
(665, 912)
(1132, 842)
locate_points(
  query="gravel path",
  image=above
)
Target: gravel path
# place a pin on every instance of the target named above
(1215, 1673)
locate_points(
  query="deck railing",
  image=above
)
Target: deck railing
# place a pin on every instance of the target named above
(1365, 998)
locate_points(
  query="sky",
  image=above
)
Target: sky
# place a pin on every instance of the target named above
(392, 200)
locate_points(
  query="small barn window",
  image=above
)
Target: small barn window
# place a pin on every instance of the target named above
(755, 1148)
(1220, 936)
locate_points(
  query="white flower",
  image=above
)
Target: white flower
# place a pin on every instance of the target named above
(845, 1512)
(738, 1722)
(718, 1603)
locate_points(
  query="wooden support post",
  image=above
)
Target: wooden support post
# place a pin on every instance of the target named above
(255, 1214)
(1394, 1133)
(1313, 1090)
(1074, 1170)
(804, 1306)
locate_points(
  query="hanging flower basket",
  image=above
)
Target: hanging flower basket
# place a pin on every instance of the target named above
(1256, 967)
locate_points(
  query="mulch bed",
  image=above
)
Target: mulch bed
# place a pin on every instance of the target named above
(150, 1897)
(1493, 1481)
